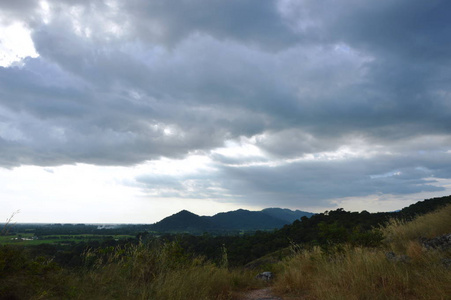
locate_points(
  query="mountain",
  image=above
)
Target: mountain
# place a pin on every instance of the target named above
(273, 218)
(286, 214)
(241, 219)
(246, 220)
(322, 229)
(184, 221)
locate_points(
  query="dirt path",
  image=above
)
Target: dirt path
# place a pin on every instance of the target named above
(261, 294)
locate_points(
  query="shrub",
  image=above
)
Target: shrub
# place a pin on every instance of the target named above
(23, 277)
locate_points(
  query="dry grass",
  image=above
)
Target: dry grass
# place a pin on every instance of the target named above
(162, 272)
(363, 273)
(8, 223)
(399, 234)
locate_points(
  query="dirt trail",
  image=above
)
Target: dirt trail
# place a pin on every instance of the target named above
(261, 294)
(266, 294)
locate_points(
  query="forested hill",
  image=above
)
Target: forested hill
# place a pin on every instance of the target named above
(183, 221)
(278, 218)
(328, 228)
(286, 214)
(241, 219)
(423, 207)
(354, 227)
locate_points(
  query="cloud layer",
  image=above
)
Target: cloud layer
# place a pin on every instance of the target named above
(320, 100)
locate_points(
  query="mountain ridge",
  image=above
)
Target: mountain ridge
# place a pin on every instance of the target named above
(240, 219)
(286, 213)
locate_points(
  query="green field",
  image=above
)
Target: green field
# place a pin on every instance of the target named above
(29, 239)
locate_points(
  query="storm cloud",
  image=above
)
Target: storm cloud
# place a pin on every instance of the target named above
(335, 100)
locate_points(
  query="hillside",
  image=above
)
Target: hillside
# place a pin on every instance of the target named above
(423, 207)
(286, 214)
(241, 219)
(331, 227)
(184, 221)
(412, 262)
(289, 222)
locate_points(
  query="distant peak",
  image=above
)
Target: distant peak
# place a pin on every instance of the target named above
(185, 212)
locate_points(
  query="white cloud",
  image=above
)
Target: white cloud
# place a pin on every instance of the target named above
(15, 44)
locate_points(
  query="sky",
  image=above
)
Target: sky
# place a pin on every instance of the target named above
(130, 111)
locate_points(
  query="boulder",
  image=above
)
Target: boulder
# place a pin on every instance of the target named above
(265, 276)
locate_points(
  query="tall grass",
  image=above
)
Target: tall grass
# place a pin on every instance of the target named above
(400, 234)
(159, 271)
(7, 224)
(155, 272)
(366, 273)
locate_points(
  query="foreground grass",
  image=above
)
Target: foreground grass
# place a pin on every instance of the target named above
(141, 271)
(157, 272)
(401, 235)
(366, 273)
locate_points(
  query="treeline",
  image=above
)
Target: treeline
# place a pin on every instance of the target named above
(76, 229)
(324, 229)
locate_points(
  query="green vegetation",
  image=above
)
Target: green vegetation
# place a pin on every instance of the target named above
(324, 230)
(334, 255)
(152, 271)
(28, 239)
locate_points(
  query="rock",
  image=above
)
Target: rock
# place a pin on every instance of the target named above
(446, 263)
(442, 242)
(391, 256)
(265, 276)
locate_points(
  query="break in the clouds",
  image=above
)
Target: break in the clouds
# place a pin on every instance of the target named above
(284, 102)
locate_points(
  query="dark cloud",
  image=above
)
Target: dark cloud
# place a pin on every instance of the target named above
(310, 182)
(10, 11)
(313, 183)
(413, 31)
(250, 21)
(120, 83)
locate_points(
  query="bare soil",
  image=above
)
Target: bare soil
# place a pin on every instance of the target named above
(261, 294)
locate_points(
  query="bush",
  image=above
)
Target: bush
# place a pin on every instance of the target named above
(23, 277)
